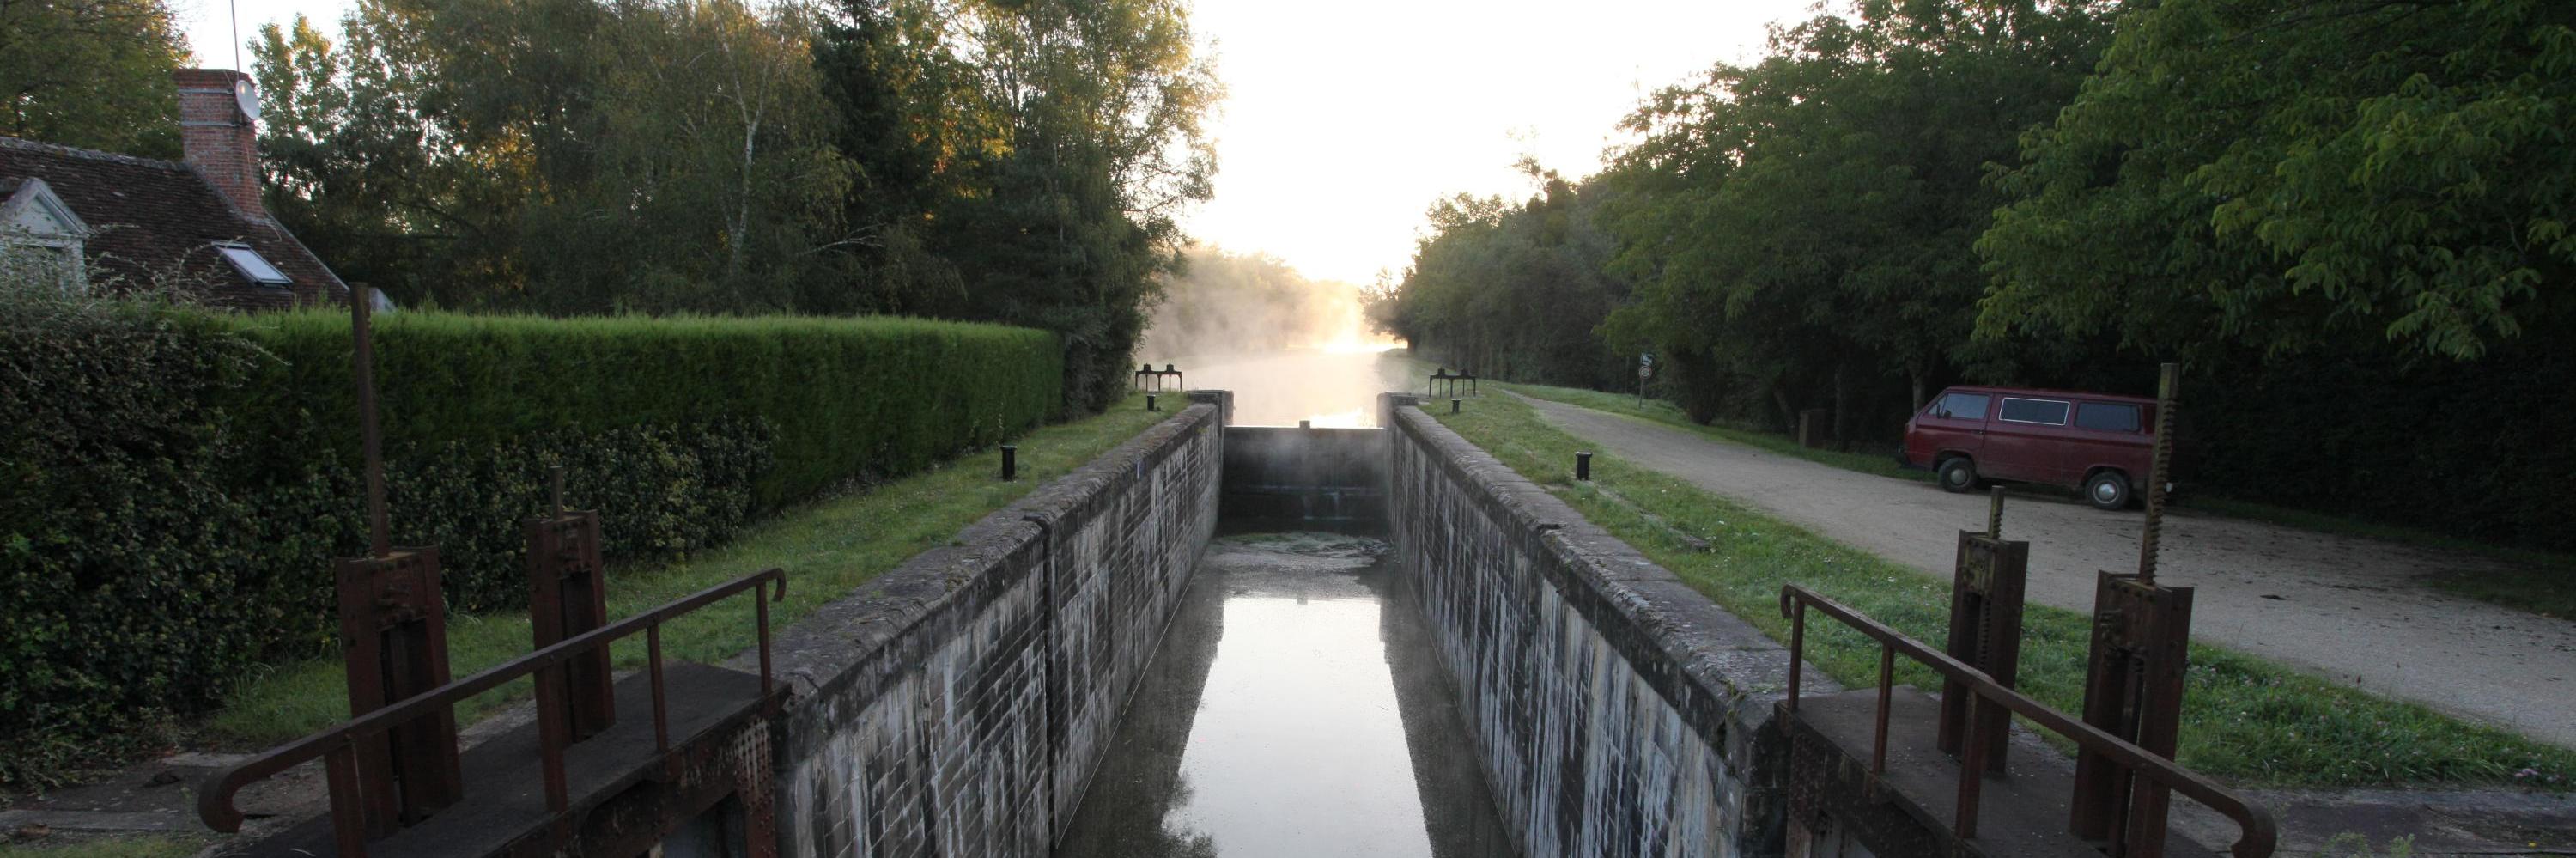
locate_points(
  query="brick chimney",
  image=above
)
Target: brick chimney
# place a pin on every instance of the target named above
(219, 139)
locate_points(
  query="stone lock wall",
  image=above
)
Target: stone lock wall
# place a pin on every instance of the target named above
(1617, 712)
(959, 704)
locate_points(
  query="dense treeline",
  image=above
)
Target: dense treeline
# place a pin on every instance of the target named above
(1020, 162)
(2346, 218)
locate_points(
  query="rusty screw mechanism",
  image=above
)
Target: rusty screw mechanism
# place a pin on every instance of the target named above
(1582, 465)
(2168, 377)
(1010, 462)
(1995, 513)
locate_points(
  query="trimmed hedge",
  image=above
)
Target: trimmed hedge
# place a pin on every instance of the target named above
(177, 482)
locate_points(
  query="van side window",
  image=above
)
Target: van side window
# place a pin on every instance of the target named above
(2107, 416)
(1960, 406)
(2044, 411)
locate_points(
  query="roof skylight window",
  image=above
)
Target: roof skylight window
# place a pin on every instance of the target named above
(252, 265)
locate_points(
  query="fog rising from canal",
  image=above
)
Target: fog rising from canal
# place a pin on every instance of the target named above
(1290, 348)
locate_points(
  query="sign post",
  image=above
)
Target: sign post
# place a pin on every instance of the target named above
(1645, 370)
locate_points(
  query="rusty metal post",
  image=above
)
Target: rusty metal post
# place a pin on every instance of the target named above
(393, 634)
(1987, 584)
(2133, 680)
(361, 327)
(568, 595)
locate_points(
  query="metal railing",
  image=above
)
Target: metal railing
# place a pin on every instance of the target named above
(338, 745)
(2257, 832)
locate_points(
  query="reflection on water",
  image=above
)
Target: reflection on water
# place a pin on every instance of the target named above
(1331, 386)
(1293, 710)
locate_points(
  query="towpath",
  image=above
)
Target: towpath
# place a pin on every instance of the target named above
(2347, 608)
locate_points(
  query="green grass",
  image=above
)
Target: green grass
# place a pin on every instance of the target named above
(2246, 720)
(828, 548)
(2536, 581)
(122, 846)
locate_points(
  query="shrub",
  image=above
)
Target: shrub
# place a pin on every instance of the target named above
(177, 481)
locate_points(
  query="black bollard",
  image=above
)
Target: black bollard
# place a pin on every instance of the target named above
(1582, 466)
(1305, 424)
(1010, 462)
(1453, 406)
(1149, 403)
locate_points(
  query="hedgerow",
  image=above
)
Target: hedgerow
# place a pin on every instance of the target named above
(177, 481)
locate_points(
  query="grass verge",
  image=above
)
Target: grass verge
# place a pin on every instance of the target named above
(2540, 582)
(828, 548)
(121, 846)
(2245, 719)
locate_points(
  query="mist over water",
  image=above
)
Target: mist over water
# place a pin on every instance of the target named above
(1290, 348)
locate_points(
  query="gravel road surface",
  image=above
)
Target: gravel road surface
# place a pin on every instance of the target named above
(2348, 608)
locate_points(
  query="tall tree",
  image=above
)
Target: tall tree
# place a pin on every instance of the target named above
(2284, 174)
(1801, 229)
(1059, 140)
(91, 73)
(560, 155)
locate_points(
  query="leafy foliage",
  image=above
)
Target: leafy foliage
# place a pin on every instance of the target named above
(1513, 291)
(2284, 175)
(91, 73)
(182, 479)
(2343, 216)
(1013, 162)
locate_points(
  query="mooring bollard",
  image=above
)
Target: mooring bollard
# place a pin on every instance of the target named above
(1149, 403)
(1010, 462)
(1305, 424)
(1453, 406)
(1582, 466)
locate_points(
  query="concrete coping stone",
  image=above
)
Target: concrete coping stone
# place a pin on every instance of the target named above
(819, 653)
(1725, 660)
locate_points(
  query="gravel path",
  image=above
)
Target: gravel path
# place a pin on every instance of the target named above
(2346, 608)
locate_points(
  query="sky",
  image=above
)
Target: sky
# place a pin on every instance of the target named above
(1346, 119)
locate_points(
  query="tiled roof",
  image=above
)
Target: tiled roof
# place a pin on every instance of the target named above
(150, 219)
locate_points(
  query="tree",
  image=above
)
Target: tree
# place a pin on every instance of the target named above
(2291, 174)
(567, 156)
(1801, 229)
(1042, 153)
(91, 73)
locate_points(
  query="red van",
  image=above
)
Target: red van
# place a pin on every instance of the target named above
(2098, 443)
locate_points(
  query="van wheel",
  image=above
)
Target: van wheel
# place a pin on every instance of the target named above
(1956, 474)
(2108, 490)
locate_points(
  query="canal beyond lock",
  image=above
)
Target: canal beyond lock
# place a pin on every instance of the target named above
(1295, 708)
